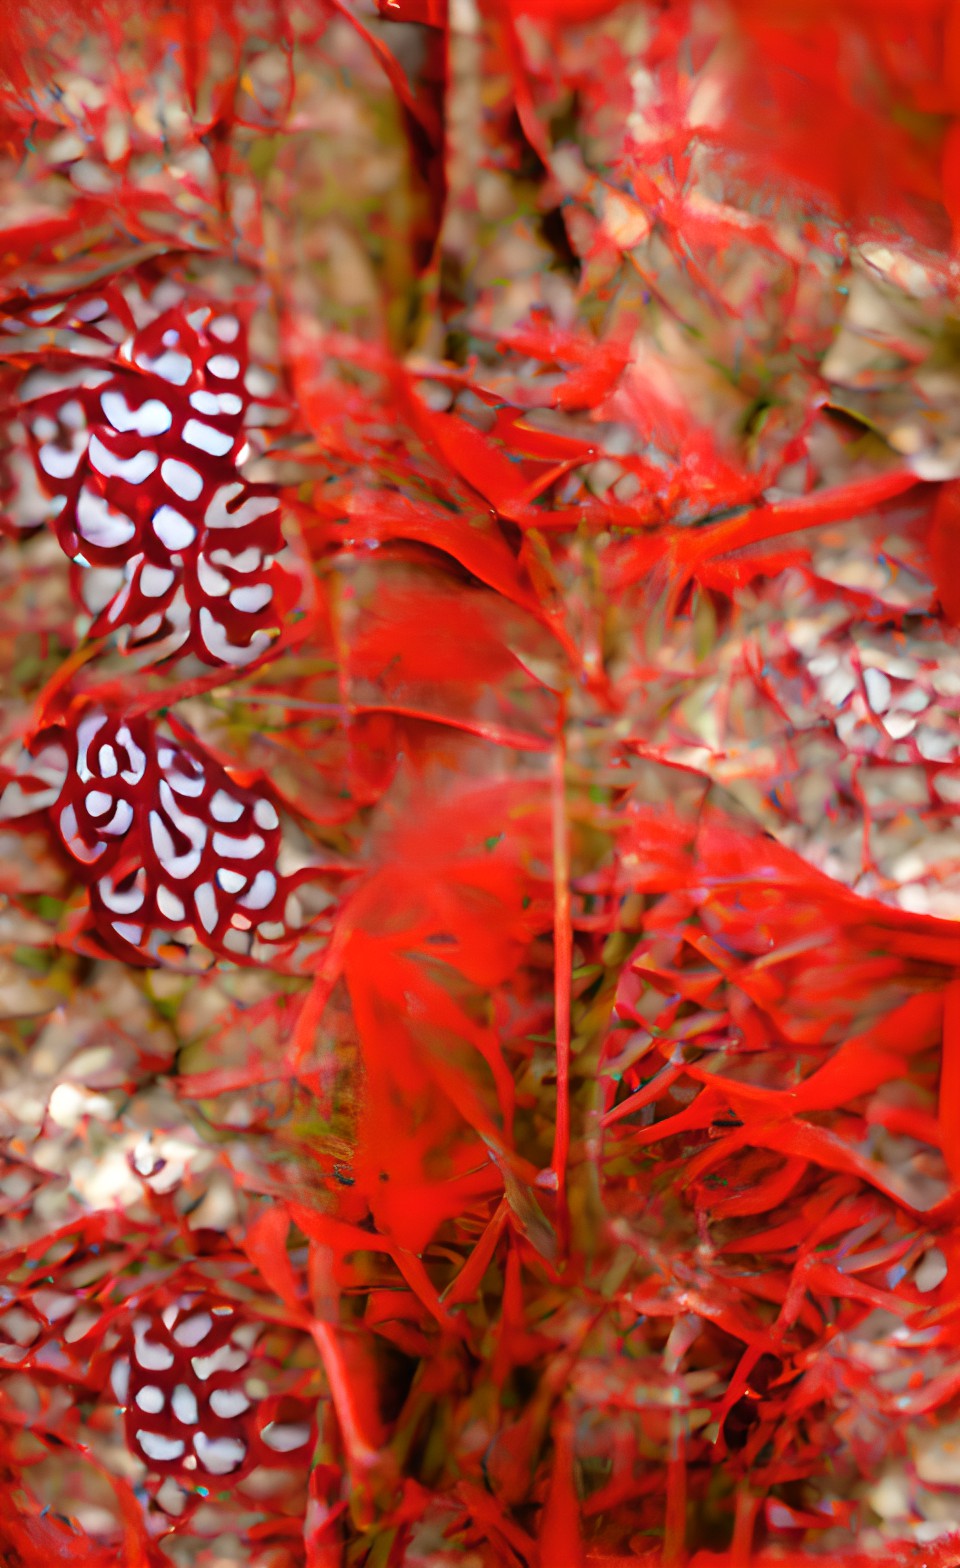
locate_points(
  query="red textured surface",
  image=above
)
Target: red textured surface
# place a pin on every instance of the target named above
(196, 544)
(162, 836)
(481, 743)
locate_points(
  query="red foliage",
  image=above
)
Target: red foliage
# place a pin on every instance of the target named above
(852, 100)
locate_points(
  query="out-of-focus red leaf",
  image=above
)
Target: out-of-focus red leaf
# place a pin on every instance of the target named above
(565, 11)
(803, 108)
(266, 1246)
(560, 1541)
(950, 1080)
(429, 13)
(945, 548)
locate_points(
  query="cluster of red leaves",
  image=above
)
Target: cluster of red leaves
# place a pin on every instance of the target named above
(590, 1132)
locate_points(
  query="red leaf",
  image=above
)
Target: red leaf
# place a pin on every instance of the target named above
(950, 1080)
(266, 1246)
(945, 548)
(560, 1541)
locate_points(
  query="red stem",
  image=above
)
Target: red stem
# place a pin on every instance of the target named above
(563, 964)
